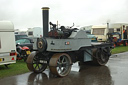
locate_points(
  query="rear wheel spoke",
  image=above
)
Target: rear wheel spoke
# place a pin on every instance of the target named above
(36, 66)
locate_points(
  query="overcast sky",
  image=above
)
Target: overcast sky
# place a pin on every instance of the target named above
(27, 13)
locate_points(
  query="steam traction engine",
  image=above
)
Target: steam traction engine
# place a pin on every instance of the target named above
(61, 47)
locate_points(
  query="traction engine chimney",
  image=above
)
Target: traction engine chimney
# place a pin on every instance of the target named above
(45, 16)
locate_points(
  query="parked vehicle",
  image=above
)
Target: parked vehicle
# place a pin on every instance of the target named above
(18, 36)
(60, 47)
(24, 47)
(7, 43)
(119, 31)
(35, 32)
(100, 31)
(25, 42)
(18, 31)
(116, 39)
(93, 37)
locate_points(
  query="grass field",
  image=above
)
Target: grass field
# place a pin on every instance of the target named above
(13, 69)
(21, 67)
(120, 49)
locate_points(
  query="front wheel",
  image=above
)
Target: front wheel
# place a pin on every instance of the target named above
(35, 64)
(60, 64)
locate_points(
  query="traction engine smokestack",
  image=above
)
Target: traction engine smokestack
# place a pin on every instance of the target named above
(45, 14)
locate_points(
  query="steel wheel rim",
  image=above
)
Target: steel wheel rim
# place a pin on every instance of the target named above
(33, 63)
(37, 65)
(63, 65)
(60, 64)
(102, 58)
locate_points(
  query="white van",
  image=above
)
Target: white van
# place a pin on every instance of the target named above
(7, 43)
(35, 32)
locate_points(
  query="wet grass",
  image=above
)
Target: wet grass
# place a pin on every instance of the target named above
(13, 69)
(119, 49)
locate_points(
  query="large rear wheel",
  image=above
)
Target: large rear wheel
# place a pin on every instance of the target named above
(101, 57)
(60, 64)
(35, 64)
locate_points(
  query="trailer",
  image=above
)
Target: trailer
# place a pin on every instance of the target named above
(118, 31)
(60, 47)
(7, 43)
(100, 31)
(35, 32)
